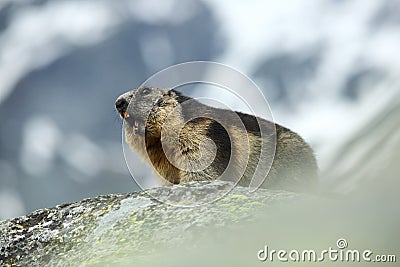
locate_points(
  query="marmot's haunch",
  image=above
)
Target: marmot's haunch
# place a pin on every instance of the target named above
(195, 142)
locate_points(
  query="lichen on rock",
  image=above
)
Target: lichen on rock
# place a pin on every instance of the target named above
(112, 228)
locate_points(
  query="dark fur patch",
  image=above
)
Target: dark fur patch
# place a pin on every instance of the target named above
(223, 146)
(179, 97)
(250, 122)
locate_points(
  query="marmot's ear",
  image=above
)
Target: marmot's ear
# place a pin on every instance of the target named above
(171, 93)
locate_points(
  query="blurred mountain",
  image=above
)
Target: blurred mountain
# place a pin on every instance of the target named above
(60, 138)
(370, 158)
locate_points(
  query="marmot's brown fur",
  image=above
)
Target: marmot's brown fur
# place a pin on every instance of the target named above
(175, 138)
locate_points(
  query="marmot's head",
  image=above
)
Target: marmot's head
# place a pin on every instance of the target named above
(146, 108)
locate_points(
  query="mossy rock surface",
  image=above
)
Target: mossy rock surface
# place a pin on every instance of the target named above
(113, 228)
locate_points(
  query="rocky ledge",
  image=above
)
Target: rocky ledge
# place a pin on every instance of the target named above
(116, 228)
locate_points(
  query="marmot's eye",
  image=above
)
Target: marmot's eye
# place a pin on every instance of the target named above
(145, 91)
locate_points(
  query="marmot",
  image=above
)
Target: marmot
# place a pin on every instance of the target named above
(159, 122)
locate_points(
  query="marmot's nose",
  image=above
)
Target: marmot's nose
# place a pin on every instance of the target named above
(121, 105)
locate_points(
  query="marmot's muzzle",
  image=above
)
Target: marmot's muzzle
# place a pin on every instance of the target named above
(121, 105)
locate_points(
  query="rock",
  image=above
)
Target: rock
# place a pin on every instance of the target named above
(121, 228)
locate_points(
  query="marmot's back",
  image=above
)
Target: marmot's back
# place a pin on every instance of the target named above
(176, 131)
